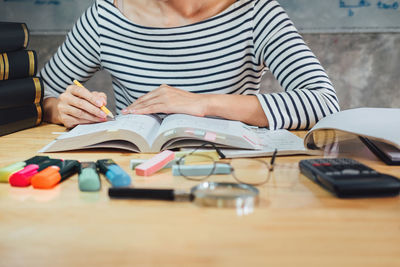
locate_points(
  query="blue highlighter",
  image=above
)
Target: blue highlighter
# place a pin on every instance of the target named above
(114, 173)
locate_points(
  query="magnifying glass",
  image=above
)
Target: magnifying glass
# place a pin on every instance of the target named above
(208, 194)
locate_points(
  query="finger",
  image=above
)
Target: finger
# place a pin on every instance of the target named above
(79, 113)
(156, 108)
(152, 94)
(70, 121)
(101, 95)
(143, 99)
(132, 107)
(147, 103)
(84, 93)
(82, 104)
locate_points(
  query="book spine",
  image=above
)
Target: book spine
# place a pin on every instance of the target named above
(20, 118)
(21, 92)
(19, 64)
(13, 36)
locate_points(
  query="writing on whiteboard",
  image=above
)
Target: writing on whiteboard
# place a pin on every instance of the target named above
(351, 5)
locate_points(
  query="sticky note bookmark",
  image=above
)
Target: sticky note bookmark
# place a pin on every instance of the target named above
(209, 136)
(155, 163)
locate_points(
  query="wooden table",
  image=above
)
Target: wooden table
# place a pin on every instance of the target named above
(296, 223)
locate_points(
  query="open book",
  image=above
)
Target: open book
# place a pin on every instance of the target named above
(148, 133)
(152, 133)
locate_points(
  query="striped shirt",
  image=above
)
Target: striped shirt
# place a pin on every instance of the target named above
(225, 54)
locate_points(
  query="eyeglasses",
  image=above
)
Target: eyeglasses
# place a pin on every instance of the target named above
(198, 166)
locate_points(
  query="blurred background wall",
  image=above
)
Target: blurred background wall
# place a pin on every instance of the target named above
(358, 42)
(364, 67)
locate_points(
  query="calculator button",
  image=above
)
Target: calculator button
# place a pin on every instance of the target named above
(350, 172)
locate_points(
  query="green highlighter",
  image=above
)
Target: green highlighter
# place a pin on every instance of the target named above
(88, 179)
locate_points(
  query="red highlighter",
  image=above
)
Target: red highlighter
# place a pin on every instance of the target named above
(23, 177)
(52, 175)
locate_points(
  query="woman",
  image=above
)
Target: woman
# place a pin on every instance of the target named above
(199, 57)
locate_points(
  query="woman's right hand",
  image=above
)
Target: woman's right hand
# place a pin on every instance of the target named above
(77, 105)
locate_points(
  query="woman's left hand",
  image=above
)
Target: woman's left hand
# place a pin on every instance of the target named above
(167, 99)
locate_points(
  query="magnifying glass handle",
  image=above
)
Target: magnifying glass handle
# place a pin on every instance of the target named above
(141, 193)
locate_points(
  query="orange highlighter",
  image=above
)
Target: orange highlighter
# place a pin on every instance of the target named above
(51, 176)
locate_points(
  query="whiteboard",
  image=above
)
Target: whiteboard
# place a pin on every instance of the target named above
(309, 16)
(320, 16)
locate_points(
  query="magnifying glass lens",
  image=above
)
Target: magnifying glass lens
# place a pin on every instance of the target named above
(225, 195)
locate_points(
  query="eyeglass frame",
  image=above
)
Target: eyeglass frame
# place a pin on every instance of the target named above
(270, 165)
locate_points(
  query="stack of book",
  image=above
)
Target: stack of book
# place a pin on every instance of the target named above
(21, 93)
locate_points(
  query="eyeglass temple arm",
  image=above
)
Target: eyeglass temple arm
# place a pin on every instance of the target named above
(272, 163)
(220, 154)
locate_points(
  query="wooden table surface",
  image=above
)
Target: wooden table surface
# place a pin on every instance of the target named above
(295, 224)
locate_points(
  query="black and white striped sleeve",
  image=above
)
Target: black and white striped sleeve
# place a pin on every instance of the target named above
(309, 94)
(77, 58)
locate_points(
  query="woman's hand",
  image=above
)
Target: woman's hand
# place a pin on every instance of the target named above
(167, 99)
(77, 105)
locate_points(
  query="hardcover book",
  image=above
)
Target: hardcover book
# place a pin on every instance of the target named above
(20, 118)
(18, 64)
(21, 92)
(13, 36)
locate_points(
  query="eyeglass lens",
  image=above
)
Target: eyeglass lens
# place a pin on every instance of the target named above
(248, 171)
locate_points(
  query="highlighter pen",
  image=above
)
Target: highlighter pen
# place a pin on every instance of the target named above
(114, 173)
(103, 108)
(23, 177)
(88, 178)
(7, 171)
(55, 174)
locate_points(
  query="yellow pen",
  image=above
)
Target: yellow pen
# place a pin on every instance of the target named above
(103, 108)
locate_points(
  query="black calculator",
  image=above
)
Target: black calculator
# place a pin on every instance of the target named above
(349, 178)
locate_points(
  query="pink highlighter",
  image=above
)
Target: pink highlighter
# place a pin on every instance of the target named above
(155, 164)
(22, 178)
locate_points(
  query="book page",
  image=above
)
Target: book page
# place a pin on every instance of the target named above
(284, 141)
(144, 125)
(207, 124)
(382, 124)
(219, 131)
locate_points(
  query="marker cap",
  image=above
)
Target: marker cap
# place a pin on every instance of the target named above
(88, 178)
(6, 172)
(114, 173)
(22, 178)
(47, 178)
(52, 175)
